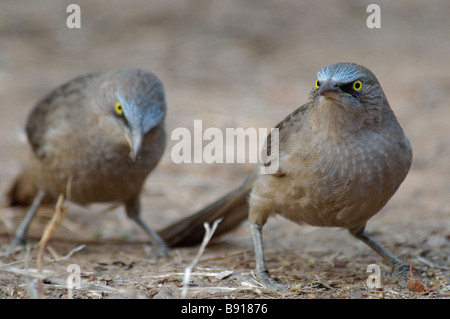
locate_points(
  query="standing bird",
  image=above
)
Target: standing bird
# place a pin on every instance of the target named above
(342, 156)
(98, 135)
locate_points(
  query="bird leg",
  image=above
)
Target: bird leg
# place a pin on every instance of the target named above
(20, 237)
(133, 211)
(262, 272)
(400, 272)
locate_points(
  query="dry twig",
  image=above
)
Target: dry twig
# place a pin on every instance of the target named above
(209, 231)
(60, 213)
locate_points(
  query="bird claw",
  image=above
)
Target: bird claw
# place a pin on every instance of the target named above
(267, 281)
(401, 273)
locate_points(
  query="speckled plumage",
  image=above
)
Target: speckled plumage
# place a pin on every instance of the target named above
(75, 133)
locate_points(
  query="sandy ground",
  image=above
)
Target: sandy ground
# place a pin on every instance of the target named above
(230, 64)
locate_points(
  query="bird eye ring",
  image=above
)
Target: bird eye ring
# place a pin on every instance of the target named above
(317, 84)
(357, 85)
(118, 108)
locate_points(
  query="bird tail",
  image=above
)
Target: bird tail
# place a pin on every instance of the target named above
(232, 208)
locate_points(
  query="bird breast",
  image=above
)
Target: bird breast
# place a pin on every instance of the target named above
(339, 181)
(98, 163)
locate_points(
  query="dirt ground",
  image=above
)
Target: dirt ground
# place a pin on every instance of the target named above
(235, 63)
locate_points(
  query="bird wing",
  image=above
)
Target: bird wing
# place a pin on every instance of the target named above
(47, 112)
(285, 131)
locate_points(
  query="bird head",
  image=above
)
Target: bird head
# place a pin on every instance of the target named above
(136, 100)
(353, 89)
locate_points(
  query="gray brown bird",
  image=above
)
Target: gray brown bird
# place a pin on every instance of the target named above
(105, 133)
(342, 156)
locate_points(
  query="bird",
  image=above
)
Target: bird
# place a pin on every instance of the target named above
(341, 156)
(98, 136)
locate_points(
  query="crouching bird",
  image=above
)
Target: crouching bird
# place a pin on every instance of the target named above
(99, 135)
(342, 155)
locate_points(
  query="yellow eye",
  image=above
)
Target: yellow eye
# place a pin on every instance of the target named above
(118, 108)
(357, 85)
(317, 84)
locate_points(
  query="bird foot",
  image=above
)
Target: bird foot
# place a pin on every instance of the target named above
(267, 281)
(401, 273)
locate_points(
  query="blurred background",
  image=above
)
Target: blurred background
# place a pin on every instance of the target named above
(241, 63)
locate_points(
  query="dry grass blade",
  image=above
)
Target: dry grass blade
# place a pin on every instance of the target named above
(209, 231)
(60, 213)
(227, 256)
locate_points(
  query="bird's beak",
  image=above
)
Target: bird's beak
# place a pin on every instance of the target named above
(135, 144)
(327, 88)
